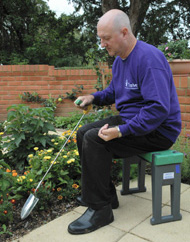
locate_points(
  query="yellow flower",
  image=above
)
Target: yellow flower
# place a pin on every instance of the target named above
(64, 156)
(59, 189)
(68, 153)
(36, 148)
(47, 157)
(76, 152)
(54, 162)
(30, 156)
(23, 177)
(31, 180)
(19, 180)
(49, 151)
(52, 140)
(56, 143)
(70, 161)
(1, 133)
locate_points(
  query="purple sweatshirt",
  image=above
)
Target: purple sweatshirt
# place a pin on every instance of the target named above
(144, 93)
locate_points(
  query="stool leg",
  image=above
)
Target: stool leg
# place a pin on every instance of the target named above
(141, 175)
(175, 194)
(158, 181)
(126, 175)
(156, 195)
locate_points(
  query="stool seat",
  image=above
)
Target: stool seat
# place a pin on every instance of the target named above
(163, 157)
(166, 170)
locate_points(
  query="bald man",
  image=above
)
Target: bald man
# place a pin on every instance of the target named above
(149, 119)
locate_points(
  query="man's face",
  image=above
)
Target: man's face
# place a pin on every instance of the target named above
(110, 39)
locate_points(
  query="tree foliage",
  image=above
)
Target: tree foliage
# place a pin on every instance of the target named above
(30, 33)
(154, 21)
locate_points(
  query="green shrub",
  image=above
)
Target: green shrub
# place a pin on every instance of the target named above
(1, 127)
(26, 128)
(183, 145)
(7, 179)
(71, 121)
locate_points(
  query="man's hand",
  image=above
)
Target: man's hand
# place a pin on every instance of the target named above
(107, 134)
(86, 100)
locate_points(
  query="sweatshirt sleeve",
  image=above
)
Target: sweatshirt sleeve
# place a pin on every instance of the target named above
(105, 97)
(155, 90)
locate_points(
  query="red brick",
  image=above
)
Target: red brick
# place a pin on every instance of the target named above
(43, 67)
(8, 78)
(21, 78)
(184, 100)
(61, 78)
(15, 83)
(47, 78)
(16, 73)
(177, 82)
(184, 82)
(185, 116)
(187, 108)
(3, 83)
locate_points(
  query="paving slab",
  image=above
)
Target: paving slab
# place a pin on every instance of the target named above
(185, 200)
(132, 211)
(131, 238)
(168, 232)
(56, 231)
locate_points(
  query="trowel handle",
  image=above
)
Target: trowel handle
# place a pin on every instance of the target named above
(89, 107)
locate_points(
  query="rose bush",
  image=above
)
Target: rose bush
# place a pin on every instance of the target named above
(177, 49)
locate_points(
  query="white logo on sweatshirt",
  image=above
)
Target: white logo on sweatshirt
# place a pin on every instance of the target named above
(129, 85)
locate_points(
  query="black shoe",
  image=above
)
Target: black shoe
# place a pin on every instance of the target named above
(114, 202)
(91, 220)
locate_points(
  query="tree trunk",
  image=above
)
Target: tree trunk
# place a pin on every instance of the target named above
(108, 5)
(137, 13)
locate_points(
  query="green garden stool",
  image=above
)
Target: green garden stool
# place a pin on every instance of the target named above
(166, 170)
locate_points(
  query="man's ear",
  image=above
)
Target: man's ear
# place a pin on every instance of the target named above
(125, 32)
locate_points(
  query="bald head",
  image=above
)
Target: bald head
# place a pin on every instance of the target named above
(115, 18)
(115, 33)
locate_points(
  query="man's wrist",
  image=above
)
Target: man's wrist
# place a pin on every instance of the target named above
(119, 132)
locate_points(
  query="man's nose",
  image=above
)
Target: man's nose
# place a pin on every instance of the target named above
(103, 43)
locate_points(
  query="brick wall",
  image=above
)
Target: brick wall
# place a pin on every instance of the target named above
(45, 80)
(181, 74)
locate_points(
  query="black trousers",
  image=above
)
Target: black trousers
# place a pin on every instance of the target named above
(96, 157)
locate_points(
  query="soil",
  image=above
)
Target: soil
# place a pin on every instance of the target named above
(19, 227)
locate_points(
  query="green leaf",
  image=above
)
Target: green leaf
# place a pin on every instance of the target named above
(4, 184)
(4, 164)
(19, 138)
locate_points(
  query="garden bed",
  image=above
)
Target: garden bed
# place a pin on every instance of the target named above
(36, 219)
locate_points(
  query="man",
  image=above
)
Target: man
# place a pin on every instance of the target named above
(149, 119)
